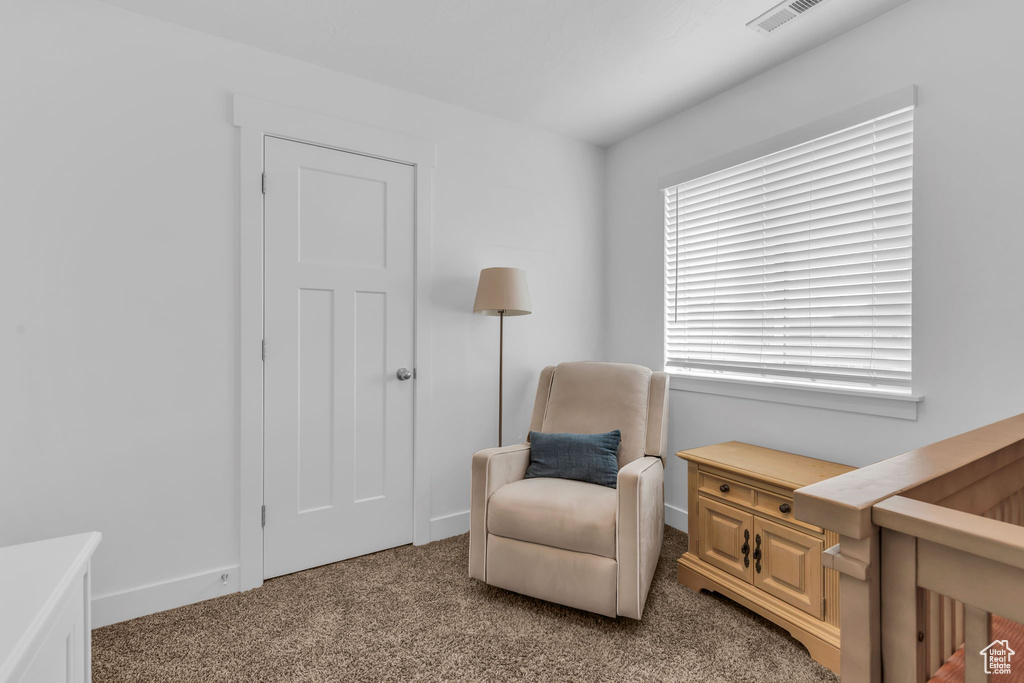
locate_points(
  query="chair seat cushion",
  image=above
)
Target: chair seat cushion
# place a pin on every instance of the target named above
(561, 513)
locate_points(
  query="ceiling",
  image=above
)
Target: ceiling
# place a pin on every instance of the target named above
(597, 70)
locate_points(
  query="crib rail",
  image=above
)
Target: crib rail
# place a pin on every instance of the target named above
(970, 566)
(930, 544)
(973, 534)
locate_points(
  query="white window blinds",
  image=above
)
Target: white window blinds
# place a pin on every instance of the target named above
(796, 266)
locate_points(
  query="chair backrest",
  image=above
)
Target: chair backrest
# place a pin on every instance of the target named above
(590, 398)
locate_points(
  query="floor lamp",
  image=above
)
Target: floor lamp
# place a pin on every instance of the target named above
(502, 292)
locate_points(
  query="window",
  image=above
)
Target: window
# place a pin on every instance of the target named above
(795, 267)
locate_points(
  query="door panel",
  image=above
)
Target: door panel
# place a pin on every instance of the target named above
(790, 565)
(316, 398)
(370, 426)
(336, 198)
(723, 532)
(339, 233)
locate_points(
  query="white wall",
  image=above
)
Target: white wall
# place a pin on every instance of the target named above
(968, 231)
(119, 280)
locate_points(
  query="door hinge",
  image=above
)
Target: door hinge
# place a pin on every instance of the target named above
(263, 184)
(263, 349)
(263, 515)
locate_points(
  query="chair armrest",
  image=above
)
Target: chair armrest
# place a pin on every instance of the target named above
(639, 531)
(492, 469)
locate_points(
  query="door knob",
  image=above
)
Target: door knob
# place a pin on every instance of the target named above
(403, 374)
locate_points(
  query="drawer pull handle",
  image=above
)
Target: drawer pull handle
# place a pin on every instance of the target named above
(724, 488)
(745, 549)
(757, 553)
(785, 508)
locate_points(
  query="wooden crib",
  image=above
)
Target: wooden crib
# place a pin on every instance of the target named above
(931, 558)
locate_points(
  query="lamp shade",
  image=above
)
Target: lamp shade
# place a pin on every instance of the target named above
(502, 290)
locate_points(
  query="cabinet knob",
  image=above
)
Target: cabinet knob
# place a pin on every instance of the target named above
(785, 508)
(724, 488)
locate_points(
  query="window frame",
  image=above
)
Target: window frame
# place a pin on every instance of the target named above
(867, 399)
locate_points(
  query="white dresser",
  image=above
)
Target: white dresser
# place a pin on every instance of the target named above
(44, 610)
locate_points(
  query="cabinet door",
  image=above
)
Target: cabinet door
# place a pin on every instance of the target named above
(788, 565)
(724, 531)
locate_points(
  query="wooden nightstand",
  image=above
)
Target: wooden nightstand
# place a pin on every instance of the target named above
(746, 544)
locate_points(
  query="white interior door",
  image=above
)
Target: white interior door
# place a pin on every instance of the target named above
(339, 326)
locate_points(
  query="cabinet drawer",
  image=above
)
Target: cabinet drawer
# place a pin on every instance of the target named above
(773, 505)
(726, 489)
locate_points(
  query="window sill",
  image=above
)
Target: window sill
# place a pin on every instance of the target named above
(868, 402)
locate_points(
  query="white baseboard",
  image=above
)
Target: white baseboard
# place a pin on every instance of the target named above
(449, 525)
(157, 597)
(676, 518)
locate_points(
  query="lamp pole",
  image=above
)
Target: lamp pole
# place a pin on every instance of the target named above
(501, 370)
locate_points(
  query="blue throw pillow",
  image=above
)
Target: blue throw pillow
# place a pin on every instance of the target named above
(584, 457)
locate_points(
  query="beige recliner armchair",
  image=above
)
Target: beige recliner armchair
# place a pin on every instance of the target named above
(578, 544)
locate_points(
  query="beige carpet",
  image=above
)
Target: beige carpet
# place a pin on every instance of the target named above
(412, 614)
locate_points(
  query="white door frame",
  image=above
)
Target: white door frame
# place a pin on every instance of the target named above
(257, 119)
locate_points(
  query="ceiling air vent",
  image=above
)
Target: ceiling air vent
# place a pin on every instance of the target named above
(781, 14)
